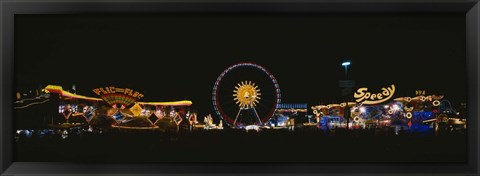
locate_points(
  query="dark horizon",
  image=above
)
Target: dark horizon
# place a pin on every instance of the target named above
(176, 57)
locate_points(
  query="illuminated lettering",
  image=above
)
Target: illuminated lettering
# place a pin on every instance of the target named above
(362, 95)
(97, 91)
(103, 91)
(128, 91)
(112, 89)
(420, 92)
(120, 90)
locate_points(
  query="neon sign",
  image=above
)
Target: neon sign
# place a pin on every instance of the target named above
(362, 95)
(112, 90)
(420, 92)
(114, 95)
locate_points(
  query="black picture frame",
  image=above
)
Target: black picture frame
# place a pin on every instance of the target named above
(9, 8)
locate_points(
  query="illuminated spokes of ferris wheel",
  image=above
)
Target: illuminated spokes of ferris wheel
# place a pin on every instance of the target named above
(255, 91)
(246, 95)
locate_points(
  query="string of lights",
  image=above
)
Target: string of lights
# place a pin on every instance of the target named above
(34, 103)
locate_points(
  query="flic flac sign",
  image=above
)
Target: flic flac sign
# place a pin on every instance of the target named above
(117, 90)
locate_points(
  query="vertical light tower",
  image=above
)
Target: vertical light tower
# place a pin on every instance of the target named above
(347, 109)
(346, 64)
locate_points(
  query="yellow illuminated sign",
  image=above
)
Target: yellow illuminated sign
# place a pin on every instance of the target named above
(136, 109)
(362, 95)
(246, 94)
(112, 90)
(420, 92)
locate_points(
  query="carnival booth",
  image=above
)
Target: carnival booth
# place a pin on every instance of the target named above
(118, 108)
(420, 113)
(288, 115)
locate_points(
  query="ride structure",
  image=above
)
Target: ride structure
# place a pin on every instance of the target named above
(256, 94)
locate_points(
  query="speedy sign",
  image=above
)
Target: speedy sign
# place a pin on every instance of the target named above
(366, 97)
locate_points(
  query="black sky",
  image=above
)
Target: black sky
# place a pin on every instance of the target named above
(174, 57)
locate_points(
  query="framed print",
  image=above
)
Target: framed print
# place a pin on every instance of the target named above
(227, 87)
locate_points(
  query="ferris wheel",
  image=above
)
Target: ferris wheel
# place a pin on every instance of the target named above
(245, 94)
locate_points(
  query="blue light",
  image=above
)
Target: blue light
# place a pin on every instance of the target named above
(345, 63)
(118, 116)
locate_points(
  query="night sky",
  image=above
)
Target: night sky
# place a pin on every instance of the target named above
(174, 57)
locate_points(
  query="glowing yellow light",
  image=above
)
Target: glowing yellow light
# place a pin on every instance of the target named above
(420, 92)
(246, 95)
(356, 119)
(333, 106)
(350, 104)
(407, 99)
(409, 115)
(362, 95)
(323, 107)
(408, 109)
(436, 103)
(171, 103)
(429, 98)
(60, 91)
(192, 120)
(136, 109)
(136, 128)
(423, 98)
(437, 97)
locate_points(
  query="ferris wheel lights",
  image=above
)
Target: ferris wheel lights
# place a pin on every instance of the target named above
(252, 95)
